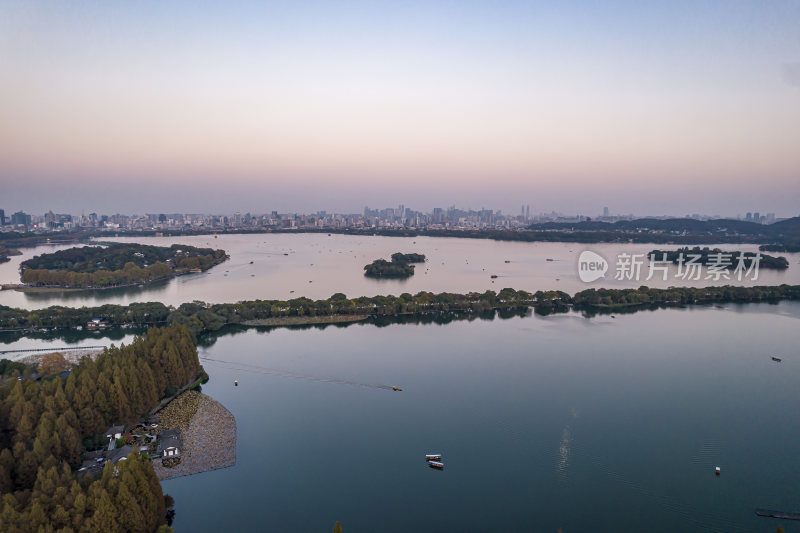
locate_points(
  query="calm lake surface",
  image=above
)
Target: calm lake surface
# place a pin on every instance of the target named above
(318, 265)
(587, 424)
(602, 424)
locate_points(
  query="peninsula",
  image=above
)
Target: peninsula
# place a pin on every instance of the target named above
(5, 253)
(60, 469)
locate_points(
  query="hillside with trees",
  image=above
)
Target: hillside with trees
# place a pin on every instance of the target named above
(116, 265)
(44, 424)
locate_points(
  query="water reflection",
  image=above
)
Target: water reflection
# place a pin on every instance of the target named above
(69, 336)
(279, 265)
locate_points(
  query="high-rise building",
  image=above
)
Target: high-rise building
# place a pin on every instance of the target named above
(605, 211)
(528, 212)
(748, 216)
(2, 217)
(20, 219)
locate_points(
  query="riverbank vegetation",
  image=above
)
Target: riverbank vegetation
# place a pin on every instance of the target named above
(787, 246)
(116, 265)
(201, 317)
(45, 423)
(399, 267)
(707, 255)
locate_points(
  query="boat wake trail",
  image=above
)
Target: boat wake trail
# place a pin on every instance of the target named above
(256, 369)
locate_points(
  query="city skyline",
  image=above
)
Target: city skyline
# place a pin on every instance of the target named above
(668, 109)
(398, 217)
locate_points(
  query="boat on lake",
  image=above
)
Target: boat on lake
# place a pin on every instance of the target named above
(776, 359)
(433, 457)
(436, 464)
(396, 388)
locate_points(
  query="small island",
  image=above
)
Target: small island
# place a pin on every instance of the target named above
(708, 255)
(116, 265)
(399, 267)
(5, 253)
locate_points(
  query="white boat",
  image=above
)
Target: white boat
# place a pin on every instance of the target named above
(433, 457)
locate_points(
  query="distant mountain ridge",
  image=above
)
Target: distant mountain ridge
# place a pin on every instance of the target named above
(785, 228)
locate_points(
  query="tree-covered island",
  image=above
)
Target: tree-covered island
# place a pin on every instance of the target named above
(399, 267)
(116, 265)
(729, 260)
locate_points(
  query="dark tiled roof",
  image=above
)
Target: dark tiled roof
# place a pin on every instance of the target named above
(116, 455)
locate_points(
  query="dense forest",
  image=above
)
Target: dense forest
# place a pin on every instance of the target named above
(200, 317)
(44, 423)
(399, 267)
(707, 255)
(114, 265)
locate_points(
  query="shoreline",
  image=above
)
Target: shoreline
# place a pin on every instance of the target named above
(26, 288)
(304, 320)
(208, 435)
(72, 356)
(21, 287)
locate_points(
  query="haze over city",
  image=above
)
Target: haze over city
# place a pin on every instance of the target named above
(646, 108)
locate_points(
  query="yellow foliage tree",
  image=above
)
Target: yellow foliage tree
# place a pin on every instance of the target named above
(53, 363)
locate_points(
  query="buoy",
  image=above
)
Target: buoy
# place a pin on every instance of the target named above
(235, 383)
(716, 471)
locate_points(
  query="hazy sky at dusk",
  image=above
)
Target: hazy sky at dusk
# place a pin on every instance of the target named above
(647, 107)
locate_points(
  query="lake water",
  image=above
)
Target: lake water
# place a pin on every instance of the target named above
(586, 424)
(18, 345)
(601, 424)
(318, 265)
